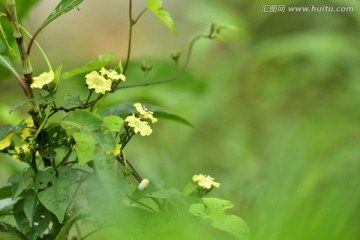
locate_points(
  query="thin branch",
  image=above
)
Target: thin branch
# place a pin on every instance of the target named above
(179, 73)
(138, 17)
(130, 37)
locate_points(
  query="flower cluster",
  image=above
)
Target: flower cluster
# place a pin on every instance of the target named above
(43, 79)
(205, 181)
(101, 81)
(137, 124)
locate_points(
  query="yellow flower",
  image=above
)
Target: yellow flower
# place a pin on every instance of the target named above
(27, 131)
(144, 113)
(116, 151)
(112, 74)
(204, 181)
(138, 126)
(22, 152)
(43, 79)
(144, 183)
(6, 142)
(95, 81)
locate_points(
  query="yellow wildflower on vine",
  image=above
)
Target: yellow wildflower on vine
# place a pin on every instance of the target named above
(144, 113)
(27, 132)
(205, 181)
(97, 82)
(43, 79)
(112, 74)
(138, 126)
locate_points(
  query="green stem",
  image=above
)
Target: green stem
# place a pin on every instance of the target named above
(43, 123)
(179, 73)
(132, 22)
(137, 19)
(39, 47)
(26, 64)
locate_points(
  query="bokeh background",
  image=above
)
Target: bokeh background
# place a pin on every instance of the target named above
(276, 106)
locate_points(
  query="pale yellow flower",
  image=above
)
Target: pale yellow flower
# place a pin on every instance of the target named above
(95, 81)
(112, 74)
(143, 184)
(144, 113)
(22, 152)
(204, 181)
(138, 126)
(27, 131)
(43, 79)
(6, 142)
(116, 151)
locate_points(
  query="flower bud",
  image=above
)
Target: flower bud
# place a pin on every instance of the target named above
(144, 183)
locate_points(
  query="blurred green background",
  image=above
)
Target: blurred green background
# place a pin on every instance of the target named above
(276, 106)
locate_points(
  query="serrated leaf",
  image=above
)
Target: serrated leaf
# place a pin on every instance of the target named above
(101, 61)
(5, 192)
(126, 109)
(114, 123)
(155, 6)
(214, 209)
(20, 182)
(63, 7)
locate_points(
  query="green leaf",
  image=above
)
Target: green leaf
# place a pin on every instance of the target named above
(190, 188)
(43, 178)
(216, 30)
(92, 135)
(5, 62)
(58, 74)
(8, 232)
(155, 6)
(168, 193)
(30, 205)
(5, 192)
(114, 123)
(63, 7)
(72, 101)
(80, 120)
(56, 197)
(126, 109)
(42, 219)
(63, 234)
(4, 131)
(20, 217)
(85, 147)
(41, 100)
(101, 61)
(214, 209)
(20, 182)
(57, 136)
